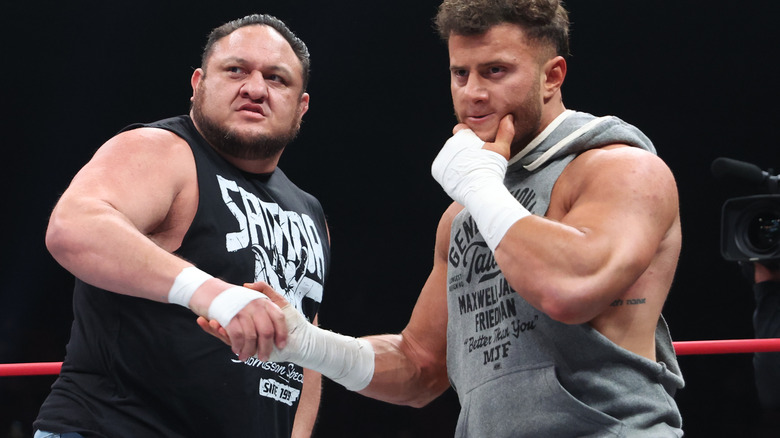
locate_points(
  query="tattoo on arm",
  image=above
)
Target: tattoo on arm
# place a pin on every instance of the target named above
(629, 302)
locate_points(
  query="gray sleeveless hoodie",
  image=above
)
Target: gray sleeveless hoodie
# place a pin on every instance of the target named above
(517, 372)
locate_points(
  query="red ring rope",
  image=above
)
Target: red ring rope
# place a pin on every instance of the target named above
(30, 369)
(727, 346)
(680, 347)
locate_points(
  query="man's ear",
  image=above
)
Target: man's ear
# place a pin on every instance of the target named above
(303, 106)
(554, 74)
(197, 75)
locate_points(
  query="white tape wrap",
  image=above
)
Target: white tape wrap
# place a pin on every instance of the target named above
(346, 360)
(474, 178)
(228, 303)
(188, 280)
(450, 165)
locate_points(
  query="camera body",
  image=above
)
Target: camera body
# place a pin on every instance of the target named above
(750, 228)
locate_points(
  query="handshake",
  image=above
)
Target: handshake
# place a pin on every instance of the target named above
(345, 360)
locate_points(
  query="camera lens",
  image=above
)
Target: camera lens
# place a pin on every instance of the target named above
(750, 228)
(762, 229)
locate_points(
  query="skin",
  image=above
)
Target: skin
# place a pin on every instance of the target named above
(762, 274)
(612, 230)
(128, 209)
(252, 95)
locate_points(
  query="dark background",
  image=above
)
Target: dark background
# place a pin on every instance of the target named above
(700, 78)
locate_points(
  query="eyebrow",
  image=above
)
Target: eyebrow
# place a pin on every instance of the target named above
(481, 65)
(240, 60)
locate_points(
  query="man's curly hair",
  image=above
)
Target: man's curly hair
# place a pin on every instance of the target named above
(542, 20)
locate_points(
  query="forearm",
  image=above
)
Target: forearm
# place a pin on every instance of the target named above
(112, 254)
(380, 367)
(399, 376)
(309, 404)
(101, 247)
(572, 275)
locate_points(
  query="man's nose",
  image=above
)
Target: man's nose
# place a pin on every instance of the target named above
(255, 87)
(475, 88)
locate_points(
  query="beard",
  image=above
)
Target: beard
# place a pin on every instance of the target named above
(528, 122)
(240, 145)
(527, 115)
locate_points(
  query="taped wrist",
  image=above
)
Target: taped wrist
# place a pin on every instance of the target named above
(188, 280)
(474, 177)
(223, 307)
(494, 210)
(230, 301)
(346, 360)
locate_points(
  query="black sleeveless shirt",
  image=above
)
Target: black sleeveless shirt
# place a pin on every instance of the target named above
(139, 368)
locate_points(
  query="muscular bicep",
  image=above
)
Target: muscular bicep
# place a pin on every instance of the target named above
(624, 206)
(137, 174)
(124, 212)
(609, 214)
(411, 368)
(428, 323)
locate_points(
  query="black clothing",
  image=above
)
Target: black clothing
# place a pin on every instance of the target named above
(140, 368)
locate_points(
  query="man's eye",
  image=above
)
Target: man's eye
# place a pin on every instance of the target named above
(237, 70)
(460, 76)
(275, 78)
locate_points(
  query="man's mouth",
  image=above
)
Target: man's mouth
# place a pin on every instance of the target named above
(478, 119)
(478, 116)
(253, 108)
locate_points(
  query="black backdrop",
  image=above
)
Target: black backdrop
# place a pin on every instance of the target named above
(698, 77)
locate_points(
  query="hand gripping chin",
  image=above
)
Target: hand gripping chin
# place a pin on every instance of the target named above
(474, 177)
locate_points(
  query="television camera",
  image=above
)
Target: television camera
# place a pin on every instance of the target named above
(750, 225)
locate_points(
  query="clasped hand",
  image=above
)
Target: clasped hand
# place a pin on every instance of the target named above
(466, 161)
(270, 339)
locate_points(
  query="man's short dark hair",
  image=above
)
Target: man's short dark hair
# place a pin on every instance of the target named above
(542, 20)
(298, 46)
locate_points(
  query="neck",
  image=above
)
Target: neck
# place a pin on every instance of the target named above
(549, 113)
(256, 165)
(249, 165)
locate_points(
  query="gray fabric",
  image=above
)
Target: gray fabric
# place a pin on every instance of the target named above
(519, 373)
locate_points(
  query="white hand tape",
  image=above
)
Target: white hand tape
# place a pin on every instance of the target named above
(228, 303)
(188, 280)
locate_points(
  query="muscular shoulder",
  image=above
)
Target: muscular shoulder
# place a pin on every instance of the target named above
(618, 162)
(146, 143)
(148, 174)
(146, 152)
(619, 171)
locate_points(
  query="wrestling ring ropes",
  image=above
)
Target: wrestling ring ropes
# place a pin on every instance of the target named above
(682, 348)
